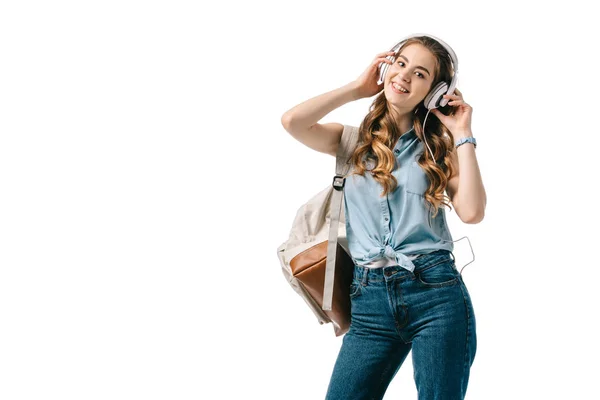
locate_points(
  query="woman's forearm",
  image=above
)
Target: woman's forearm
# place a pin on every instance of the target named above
(470, 183)
(309, 112)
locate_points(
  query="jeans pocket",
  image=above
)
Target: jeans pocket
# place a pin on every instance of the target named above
(355, 289)
(438, 275)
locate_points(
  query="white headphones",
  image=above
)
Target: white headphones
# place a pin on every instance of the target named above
(434, 98)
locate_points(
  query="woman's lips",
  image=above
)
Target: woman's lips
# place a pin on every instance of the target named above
(397, 91)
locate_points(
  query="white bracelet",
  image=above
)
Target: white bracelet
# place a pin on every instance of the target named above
(466, 140)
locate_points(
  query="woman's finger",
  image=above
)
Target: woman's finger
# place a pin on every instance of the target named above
(387, 53)
(457, 103)
(379, 60)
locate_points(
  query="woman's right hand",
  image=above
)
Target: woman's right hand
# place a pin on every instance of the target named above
(366, 84)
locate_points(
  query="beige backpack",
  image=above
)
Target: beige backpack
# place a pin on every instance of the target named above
(315, 259)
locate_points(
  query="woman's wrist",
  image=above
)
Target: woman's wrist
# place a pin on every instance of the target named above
(353, 86)
(462, 133)
(466, 139)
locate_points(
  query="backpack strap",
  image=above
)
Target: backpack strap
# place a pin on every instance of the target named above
(342, 166)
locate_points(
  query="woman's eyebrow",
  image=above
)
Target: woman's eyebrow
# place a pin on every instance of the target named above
(418, 66)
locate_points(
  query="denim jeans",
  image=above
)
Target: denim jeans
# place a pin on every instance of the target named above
(395, 310)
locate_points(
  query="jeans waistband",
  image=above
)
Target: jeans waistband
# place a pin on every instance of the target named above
(378, 274)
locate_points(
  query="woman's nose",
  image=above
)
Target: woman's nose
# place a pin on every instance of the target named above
(403, 76)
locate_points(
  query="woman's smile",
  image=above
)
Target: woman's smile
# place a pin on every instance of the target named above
(396, 90)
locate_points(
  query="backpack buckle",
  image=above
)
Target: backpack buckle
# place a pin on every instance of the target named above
(338, 182)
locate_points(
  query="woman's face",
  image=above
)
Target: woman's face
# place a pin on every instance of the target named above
(413, 69)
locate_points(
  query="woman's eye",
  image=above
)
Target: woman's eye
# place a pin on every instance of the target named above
(420, 75)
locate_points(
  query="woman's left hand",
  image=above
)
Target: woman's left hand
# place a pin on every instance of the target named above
(459, 123)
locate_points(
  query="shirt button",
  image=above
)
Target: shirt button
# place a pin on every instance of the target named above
(386, 219)
(396, 151)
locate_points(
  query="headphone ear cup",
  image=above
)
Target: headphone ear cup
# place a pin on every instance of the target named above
(434, 98)
(383, 67)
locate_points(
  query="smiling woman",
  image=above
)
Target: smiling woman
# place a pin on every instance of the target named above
(398, 237)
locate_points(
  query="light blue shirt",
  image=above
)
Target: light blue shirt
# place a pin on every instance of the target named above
(399, 225)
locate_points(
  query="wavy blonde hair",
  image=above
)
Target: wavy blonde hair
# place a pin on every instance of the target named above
(378, 133)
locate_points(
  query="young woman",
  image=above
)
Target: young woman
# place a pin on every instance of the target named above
(406, 291)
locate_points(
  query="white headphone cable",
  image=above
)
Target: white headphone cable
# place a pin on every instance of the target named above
(451, 241)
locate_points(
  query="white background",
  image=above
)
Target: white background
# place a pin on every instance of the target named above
(146, 182)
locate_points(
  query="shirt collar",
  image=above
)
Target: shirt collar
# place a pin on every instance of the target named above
(405, 137)
(408, 133)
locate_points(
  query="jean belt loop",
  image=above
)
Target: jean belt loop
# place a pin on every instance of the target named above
(365, 273)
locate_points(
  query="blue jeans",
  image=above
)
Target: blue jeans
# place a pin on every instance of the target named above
(395, 310)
